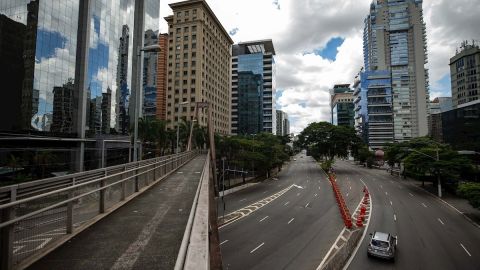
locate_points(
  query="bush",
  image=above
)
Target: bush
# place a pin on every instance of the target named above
(326, 165)
(471, 192)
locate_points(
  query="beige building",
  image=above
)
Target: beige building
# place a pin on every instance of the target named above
(199, 69)
(465, 74)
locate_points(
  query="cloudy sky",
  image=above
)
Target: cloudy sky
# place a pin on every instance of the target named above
(319, 44)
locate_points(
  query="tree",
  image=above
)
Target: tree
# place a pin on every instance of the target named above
(471, 192)
(326, 141)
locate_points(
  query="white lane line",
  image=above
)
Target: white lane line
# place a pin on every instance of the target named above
(439, 220)
(319, 187)
(316, 194)
(424, 205)
(223, 242)
(391, 203)
(394, 217)
(386, 193)
(347, 194)
(350, 188)
(465, 250)
(263, 219)
(253, 250)
(130, 256)
(411, 195)
(381, 186)
(290, 220)
(307, 205)
(242, 200)
(286, 203)
(298, 194)
(264, 192)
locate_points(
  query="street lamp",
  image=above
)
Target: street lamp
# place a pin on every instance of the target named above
(138, 88)
(437, 158)
(178, 122)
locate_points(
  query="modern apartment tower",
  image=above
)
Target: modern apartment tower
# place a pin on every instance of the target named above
(465, 74)
(283, 124)
(394, 84)
(342, 107)
(253, 88)
(199, 56)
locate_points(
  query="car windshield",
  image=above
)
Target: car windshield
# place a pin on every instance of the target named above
(379, 243)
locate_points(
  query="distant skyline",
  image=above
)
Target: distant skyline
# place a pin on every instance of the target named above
(319, 44)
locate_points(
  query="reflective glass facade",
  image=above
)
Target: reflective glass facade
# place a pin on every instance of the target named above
(253, 77)
(38, 49)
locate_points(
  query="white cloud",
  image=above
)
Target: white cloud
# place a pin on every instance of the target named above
(303, 25)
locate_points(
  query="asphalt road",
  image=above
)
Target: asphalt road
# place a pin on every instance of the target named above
(295, 231)
(431, 235)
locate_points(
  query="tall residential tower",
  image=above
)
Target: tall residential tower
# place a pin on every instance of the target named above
(395, 81)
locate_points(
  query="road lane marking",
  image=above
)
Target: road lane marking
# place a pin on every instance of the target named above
(290, 220)
(381, 186)
(223, 242)
(242, 200)
(347, 194)
(319, 187)
(316, 194)
(263, 219)
(394, 217)
(391, 203)
(424, 205)
(131, 255)
(259, 246)
(307, 205)
(465, 250)
(350, 188)
(439, 220)
(386, 193)
(411, 195)
(264, 192)
(286, 203)
(298, 194)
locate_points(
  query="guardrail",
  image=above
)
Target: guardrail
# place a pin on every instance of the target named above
(39, 215)
(194, 250)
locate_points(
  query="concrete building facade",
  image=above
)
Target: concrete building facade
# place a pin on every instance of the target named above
(161, 97)
(395, 80)
(283, 123)
(465, 74)
(255, 58)
(199, 56)
(341, 105)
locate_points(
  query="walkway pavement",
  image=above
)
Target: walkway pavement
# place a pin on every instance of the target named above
(145, 233)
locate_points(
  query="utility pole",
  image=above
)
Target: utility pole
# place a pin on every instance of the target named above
(439, 185)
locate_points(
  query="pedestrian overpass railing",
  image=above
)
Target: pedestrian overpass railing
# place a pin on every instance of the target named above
(40, 215)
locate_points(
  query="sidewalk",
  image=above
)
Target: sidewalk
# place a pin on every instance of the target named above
(146, 233)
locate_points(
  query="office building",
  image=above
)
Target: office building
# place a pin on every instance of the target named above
(459, 126)
(199, 55)
(161, 97)
(395, 81)
(465, 74)
(150, 64)
(283, 124)
(74, 69)
(437, 107)
(341, 105)
(253, 88)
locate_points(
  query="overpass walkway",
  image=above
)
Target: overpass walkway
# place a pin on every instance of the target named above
(145, 233)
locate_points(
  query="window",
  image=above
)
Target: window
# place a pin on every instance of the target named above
(185, 29)
(185, 55)
(178, 47)
(185, 38)
(179, 14)
(194, 28)
(178, 30)
(177, 56)
(194, 37)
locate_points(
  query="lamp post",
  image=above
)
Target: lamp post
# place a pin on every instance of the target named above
(138, 90)
(437, 158)
(178, 123)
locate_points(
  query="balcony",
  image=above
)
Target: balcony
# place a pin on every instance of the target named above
(357, 100)
(380, 104)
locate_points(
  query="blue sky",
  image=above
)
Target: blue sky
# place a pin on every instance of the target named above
(330, 50)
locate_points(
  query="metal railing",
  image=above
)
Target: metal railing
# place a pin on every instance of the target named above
(194, 250)
(38, 215)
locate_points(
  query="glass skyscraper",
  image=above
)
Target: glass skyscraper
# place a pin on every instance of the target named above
(71, 67)
(253, 88)
(392, 99)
